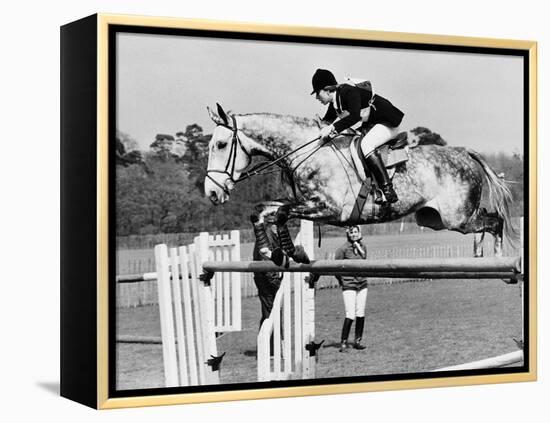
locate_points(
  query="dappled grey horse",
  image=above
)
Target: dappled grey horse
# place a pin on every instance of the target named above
(441, 185)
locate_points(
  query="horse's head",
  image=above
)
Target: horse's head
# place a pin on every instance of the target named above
(229, 153)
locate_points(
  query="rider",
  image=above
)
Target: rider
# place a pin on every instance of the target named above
(352, 107)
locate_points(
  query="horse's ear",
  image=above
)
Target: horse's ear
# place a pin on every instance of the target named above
(222, 114)
(215, 118)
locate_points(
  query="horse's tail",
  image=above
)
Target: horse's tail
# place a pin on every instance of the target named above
(500, 196)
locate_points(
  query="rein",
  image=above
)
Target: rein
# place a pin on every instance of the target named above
(260, 167)
(257, 169)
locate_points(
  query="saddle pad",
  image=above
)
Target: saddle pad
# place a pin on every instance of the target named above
(396, 157)
(390, 158)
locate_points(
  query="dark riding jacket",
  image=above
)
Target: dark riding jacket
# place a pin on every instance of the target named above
(348, 252)
(353, 99)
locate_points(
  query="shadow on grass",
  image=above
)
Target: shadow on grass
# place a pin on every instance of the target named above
(331, 345)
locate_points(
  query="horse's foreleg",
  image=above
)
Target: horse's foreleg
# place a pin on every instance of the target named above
(257, 218)
(297, 253)
(311, 210)
(261, 236)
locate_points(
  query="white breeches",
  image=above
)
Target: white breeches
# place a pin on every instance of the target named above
(355, 302)
(377, 136)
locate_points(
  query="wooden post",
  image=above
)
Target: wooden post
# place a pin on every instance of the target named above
(189, 330)
(207, 310)
(308, 321)
(521, 282)
(287, 338)
(166, 317)
(198, 316)
(217, 287)
(178, 305)
(299, 350)
(226, 283)
(235, 255)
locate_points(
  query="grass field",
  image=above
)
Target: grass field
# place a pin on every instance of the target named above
(410, 327)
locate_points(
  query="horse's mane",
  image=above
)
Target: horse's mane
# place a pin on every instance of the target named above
(277, 129)
(297, 120)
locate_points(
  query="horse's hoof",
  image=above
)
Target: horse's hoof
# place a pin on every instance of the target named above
(281, 217)
(300, 255)
(278, 256)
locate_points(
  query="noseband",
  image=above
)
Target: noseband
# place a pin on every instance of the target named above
(232, 157)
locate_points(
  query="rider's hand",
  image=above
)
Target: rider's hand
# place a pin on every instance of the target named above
(327, 133)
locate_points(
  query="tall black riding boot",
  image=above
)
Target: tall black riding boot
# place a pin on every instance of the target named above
(378, 170)
(345, 334)
(359, 325)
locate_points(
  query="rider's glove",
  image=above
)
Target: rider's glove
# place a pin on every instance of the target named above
(327, 133)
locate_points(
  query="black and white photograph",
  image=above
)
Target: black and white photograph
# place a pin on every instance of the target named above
(275, 211)
(291, 210)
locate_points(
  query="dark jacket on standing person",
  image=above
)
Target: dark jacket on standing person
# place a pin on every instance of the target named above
(353, 100)
(348, 251)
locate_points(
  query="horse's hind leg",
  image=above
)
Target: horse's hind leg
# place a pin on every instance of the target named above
(478, 244)
(482, 222)
(495, 226)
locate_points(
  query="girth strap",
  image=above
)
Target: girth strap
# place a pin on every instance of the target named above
(360, 201)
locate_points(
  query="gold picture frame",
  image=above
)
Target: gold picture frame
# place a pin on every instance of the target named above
(87, 181)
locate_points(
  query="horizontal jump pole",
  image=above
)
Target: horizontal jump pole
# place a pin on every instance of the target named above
(507, 265)
(136, 339)
(432, 275)
(144, 277)
(493, 362)
(136, 278)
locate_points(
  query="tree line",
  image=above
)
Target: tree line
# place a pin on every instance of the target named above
(162, 190)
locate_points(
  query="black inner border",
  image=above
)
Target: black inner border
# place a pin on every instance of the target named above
(113, 30)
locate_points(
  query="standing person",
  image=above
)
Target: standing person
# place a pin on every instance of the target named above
(351, 106)
(354, 289)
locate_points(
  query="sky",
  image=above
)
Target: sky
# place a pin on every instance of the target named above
(165, 82)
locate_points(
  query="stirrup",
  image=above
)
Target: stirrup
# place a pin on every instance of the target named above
(390, 196)
(379, 197)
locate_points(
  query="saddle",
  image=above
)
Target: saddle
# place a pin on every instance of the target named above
(393, 153)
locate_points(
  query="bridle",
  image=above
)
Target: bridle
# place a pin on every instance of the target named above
(229, 169)
(259, 168)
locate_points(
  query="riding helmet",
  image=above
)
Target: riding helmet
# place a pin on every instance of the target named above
(322, 78)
